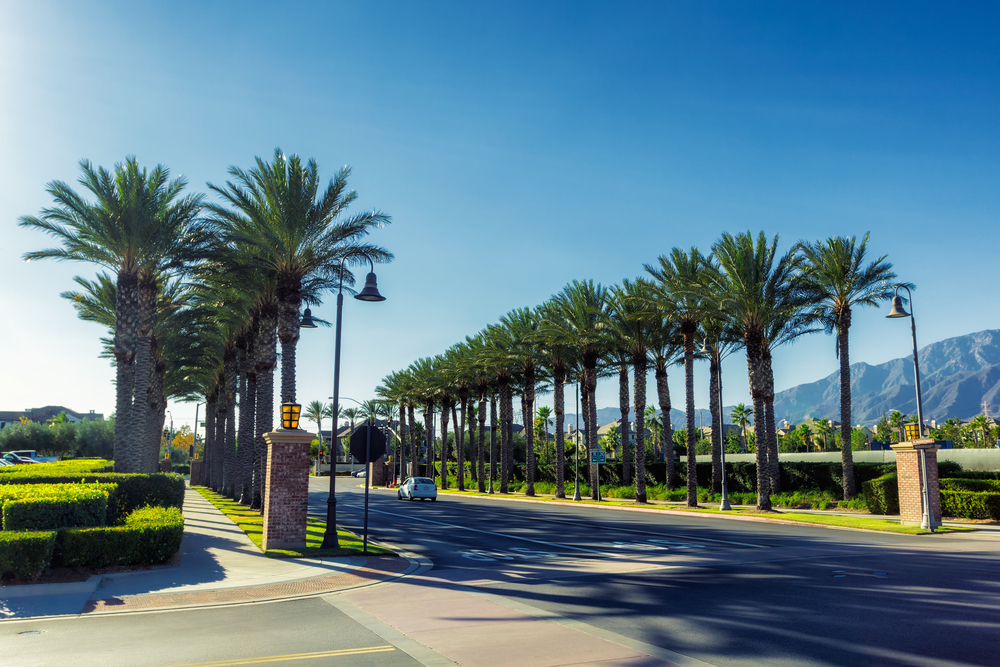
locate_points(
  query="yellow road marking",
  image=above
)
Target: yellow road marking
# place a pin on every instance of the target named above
(291, 656)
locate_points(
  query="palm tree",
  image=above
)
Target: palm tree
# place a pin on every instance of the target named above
(634, 322)
(543, 419)
(896, 421)
(758, 287)
(824, 428)
(523, 329)
(136, 223)
(742, 415)
(582, 322)
(351, 415)
(666, 349)
(299, 234)
(981, 424)
(316, 411)
(680, 285)
(557, 358)
(806, 434)
(838, 278)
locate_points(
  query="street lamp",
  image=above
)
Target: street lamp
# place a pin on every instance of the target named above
(927, 523)
(714, 351)
(369, 293)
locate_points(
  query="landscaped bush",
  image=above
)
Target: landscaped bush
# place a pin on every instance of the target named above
(50, 506)
(882, 494)
(971, 504)
(965, 484)
(25, 555)
(58, 468)
(135, 490)
(150, 535)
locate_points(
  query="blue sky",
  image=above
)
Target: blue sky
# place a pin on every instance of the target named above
(518, 146)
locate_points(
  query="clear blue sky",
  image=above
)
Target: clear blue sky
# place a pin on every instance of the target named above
(518, 146)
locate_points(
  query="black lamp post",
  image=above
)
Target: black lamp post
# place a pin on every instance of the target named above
(369, 293)
(927, 523)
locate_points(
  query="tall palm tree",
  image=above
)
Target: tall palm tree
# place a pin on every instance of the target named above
(633, 322)
(557, 358)
(666, 348)
(680, 279)
(742, 415)
(523, 326)
(496, 356)
(543, 418)
(351, 415)
(824, 429)
(980, 424)
(758, 286)
(582, 322)
(838, 278)
(300, 234)
(316, 412)
(137, 220)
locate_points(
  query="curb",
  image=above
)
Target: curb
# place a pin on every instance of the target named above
(31, 590)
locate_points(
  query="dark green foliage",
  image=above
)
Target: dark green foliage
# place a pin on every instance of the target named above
(49, 506)
(971, 504)
(49, 513)
(15, 474)
(26, 555)
(85, 438)
(882, 494)
(150, 535)
(963, 484)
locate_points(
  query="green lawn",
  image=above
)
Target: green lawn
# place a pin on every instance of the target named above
(252, 524)
(860, 522)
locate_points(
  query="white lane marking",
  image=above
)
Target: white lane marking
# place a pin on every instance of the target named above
(490, 532)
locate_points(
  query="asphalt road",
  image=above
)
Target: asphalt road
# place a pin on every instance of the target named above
(725, 592)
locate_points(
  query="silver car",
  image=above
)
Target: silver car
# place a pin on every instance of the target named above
(418, 487)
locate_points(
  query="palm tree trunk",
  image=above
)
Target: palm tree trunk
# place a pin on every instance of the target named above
(713, 406)
(692, 467)
(156, 411)
(504, 439)
(146, 291)
(595, 468)
(481, 444)
(623, 407)
(663, 396)
(460, 440)
(639, 366)
(414, 448)
(126, 331)
(429, 439)
(221, 415)
(774, 470)
(233, 483)
(559, 377)
(445, 407)
(493, 437)
(209, 455)
(757, 371)
(289, 299)
(473, 451)
(267, 361)
(248, 411)
(846, 454)
(528, 400)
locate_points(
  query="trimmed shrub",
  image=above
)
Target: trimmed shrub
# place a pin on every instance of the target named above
(882, 494)
(68, 467)
(50, 506)
(150, 535)
(26, 555)
(971, 504)
(135, 490)
(961, 484)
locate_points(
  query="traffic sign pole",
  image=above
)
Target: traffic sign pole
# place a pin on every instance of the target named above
(368, 473)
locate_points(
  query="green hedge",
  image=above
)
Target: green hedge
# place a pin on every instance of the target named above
(26, 555)
(882, 494)
(58, 468)
(150, 535)
(51, 506)
(135, 490)
(971, 504)
(964, 484)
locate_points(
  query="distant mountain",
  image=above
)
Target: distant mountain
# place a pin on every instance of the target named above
(956, 376)
(677, 418)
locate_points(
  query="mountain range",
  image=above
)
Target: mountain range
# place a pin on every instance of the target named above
(956, 376)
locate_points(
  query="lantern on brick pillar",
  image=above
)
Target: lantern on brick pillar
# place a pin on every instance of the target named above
(290, 415)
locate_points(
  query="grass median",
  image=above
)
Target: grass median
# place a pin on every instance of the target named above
(836, 520)
(252, 523)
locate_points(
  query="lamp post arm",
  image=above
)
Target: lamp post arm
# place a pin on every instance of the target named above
(916, 362)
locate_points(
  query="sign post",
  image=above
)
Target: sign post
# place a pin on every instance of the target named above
(598, 456)
(367, 442)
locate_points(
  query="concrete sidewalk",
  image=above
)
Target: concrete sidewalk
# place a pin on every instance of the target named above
(217, 564)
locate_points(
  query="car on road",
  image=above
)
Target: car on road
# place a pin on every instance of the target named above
(418, 487)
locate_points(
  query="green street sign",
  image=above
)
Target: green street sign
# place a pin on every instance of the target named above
(598, 457)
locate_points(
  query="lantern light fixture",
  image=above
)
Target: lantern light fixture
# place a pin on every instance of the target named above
(290, 415)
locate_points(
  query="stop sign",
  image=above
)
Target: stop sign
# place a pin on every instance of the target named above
(359, 443)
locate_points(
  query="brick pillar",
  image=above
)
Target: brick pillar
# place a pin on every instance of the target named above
(910, 480)
(379, 471)
(164, 465)
(286, 498)
(195, 472)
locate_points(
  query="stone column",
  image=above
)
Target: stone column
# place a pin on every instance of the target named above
(911, 479)
(286, 493)
(195, 472)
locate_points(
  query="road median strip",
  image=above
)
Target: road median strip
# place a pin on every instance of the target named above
(834, 521)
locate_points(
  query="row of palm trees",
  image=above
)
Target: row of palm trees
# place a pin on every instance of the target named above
(745, 295)
(201, 294)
